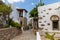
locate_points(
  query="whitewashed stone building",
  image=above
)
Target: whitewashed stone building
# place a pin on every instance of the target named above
(19, 15)
(49, 16)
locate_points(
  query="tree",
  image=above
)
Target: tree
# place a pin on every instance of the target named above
(34, 14)
(34, 11)
(5, 10)
(40, 3)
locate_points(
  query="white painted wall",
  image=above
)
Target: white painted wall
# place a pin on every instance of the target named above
(47, 16)
(24, 13)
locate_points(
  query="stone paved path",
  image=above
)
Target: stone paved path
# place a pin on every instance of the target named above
(26, 35)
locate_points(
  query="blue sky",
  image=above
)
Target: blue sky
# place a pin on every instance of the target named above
(28, 4)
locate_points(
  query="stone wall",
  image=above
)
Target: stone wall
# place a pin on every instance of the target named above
(24, 22)
(8, 33)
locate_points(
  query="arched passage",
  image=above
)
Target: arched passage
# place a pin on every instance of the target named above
(55, 22)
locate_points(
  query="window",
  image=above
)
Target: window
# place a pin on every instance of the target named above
(55, 25)
(44, 10)
(49, 9)
(21, 22)
(43, 16)
(20, 14)
(48, 24)
(47, 13)
(42, 24)
(40, 17)
(45, 21)
(41, 12)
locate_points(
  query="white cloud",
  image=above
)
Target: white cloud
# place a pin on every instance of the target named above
(17, 7)
(32, 3)
(12, 1)
(3, 0)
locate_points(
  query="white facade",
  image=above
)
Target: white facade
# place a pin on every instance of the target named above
(24, 14)
(45, 13)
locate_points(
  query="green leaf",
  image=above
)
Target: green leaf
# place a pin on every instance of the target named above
(34, 11)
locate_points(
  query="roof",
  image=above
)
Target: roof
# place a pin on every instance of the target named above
(22, 10)
(50, 5)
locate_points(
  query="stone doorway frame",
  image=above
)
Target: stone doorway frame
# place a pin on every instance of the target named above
(55, 18)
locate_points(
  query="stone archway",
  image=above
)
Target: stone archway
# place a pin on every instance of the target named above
(55, 22)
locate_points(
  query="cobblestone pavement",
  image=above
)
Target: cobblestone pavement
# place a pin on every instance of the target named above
(26, 35)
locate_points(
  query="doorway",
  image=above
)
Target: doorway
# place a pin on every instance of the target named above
(55, 22)
(55, 25)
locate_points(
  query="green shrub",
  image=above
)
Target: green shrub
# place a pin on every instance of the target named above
(51, 37)
(6, 26)
(13, 24)
(17, 25)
